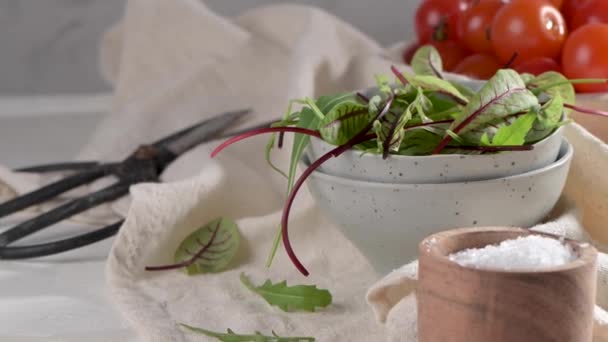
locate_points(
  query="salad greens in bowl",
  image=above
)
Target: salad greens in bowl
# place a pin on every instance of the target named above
(421, 114)
(386, 221)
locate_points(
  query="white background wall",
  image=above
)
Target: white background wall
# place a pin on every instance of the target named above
(50, 46)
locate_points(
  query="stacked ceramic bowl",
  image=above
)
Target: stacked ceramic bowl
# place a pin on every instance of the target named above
(387, 206)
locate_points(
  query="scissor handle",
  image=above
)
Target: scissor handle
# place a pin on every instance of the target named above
(59, 246)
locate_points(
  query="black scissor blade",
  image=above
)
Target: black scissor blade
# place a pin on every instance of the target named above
(203, 132)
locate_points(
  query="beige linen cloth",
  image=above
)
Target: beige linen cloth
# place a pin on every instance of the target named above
(175, 62)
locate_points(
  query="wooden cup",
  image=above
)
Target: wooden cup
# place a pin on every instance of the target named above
(461, 304)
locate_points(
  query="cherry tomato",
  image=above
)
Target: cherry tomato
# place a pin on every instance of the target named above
(479, 66)
(570, 7)
(557, 3)
(585, 55)
(409, 52)
(593, 11)
(530, 28)
(438, 19)
(475, 22)
(537, 66)
(451, 53)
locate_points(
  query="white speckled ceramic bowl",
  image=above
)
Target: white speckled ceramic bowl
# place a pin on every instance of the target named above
(437, 168)
(387, 221)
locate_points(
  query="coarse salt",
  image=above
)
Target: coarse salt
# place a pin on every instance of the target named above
(531, 252)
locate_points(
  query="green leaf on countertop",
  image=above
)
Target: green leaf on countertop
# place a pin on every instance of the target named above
(427, 61)
(288, 298)
(231, 336)
(503, 95)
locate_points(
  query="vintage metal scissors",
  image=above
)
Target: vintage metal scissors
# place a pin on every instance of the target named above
(144, 165)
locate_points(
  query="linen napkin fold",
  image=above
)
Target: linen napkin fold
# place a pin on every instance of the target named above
(175, 62)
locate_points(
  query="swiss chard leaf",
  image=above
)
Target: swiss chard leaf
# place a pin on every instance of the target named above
(427, 61)
(344, 120)
(433, 83)
(418, 142)
(288, 298)
(549, 118)
(210, 248)
(513, 134)
(231, 336)
(562, 88)
(503, 95)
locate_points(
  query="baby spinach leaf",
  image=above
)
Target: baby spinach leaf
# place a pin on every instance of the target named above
(503, 95)
(344, 121)
(515, 133)
(427, 61)
(547, 120)
(209, 249)
(231, 336)
(287, 298)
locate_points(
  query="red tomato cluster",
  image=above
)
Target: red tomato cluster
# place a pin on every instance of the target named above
(478, 37)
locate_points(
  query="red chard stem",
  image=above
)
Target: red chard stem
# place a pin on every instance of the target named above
(255, 132)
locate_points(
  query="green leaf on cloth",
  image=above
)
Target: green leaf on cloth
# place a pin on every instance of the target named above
(231, 336)
(288, 298)
(212, 247)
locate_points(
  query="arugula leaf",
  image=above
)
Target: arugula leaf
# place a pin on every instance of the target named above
(287, 298)
(209, 249)
(503, 95)
(549, 118)
(513, 134)
(427, 61)
(231, 336)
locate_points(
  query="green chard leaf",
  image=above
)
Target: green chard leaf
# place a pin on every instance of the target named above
(344, 120)
(549, 118)
(553, 83)
(502, 96)
(513, 134)
(287, 298)
(527, 78)
(418, 142)
(433, 83)
(427, 61)
(231, 336)
(211, 248)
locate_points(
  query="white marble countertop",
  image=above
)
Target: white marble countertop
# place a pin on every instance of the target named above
(61, 297)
